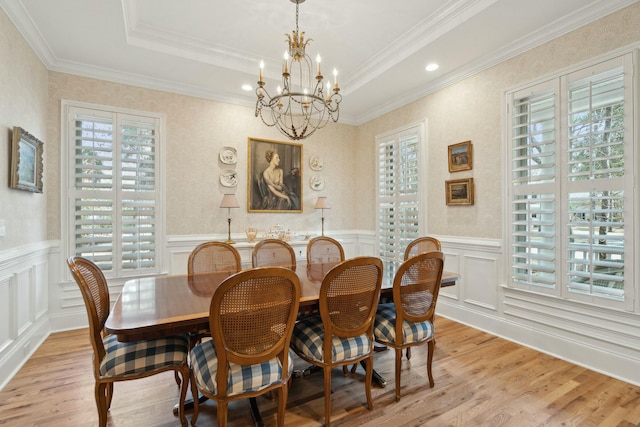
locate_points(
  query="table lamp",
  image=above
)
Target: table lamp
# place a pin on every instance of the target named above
(229, 201)
(323, 204)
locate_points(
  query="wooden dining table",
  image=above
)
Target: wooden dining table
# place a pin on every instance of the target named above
(154, 307)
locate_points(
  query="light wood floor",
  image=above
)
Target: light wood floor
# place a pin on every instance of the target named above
(480, 380)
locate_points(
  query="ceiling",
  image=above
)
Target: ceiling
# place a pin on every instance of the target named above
(210, 48)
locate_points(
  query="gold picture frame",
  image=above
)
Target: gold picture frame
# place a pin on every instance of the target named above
(460, 157)
(274, 183)
(26, 161)
(459, 192)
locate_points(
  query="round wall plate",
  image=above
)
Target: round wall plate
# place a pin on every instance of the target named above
(228, 156)
(317, 183)
(316, 163)
(229, 178)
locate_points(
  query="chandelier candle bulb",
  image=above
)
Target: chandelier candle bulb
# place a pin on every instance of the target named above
(285, 73)
(261, 70)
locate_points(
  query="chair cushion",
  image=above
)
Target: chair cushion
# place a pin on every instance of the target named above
(308, 338)
(384, 328)
(133, 358)
(242, 378)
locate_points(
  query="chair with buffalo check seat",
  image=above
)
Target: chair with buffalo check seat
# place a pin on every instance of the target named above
(251, 317)
(121, 361)
(408, 320)
(421, 245)
(342, 333)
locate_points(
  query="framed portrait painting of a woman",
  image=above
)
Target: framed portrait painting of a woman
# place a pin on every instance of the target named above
(275, 176)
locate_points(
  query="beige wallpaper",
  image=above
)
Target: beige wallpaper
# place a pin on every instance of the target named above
(23, 102)
(196, 131)
(473, 110)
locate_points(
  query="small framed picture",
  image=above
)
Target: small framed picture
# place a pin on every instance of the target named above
(460, 157)
(459, 191)
(26, 161)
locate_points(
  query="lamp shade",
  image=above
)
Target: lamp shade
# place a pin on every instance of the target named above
(322, 203)
(229, 201)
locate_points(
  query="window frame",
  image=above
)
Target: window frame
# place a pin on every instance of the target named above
(68, 206)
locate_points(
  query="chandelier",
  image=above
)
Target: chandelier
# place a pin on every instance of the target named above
(303, 104)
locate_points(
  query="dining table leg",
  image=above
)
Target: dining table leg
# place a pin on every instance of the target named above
(255, 412)
(253, 404)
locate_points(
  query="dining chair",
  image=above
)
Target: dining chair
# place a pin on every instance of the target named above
(342, 333)
(422, 245)
(251, 317)
(324, 249)
(209, 257)
(273, 253)
(121, 361)
(408, 320)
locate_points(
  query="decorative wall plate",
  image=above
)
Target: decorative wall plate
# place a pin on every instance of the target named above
(228, 155)
(228, 178)
(316, 163)
(317, 183)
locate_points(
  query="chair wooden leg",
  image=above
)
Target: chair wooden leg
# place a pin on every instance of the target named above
(368, 380)
(398, 372)
(196, 401)
(101, 403)
(177, 377)
(408, 353)
(185, 374)
(327, 396)
(109, 395)
(432, 348)
(282, 404)
(222, 412)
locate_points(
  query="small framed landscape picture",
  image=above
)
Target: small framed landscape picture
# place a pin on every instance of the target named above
(26, 161)
(459, 191)
(460, 157)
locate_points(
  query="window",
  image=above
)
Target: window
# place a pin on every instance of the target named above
(572, 170)
(113, 193)
(399, 164)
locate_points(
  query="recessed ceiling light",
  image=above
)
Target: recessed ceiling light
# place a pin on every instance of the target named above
(432, 67)
(247, 87)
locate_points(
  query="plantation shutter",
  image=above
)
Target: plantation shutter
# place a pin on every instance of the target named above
(595, 175)
(572, 185)
(113, 190)
(398, 185)
(533, 178)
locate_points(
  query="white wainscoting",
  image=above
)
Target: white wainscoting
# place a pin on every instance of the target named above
(24, 302)
(598, 338)
(37, 296)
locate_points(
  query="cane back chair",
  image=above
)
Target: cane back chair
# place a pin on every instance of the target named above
(408, 320)
(121, 361)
